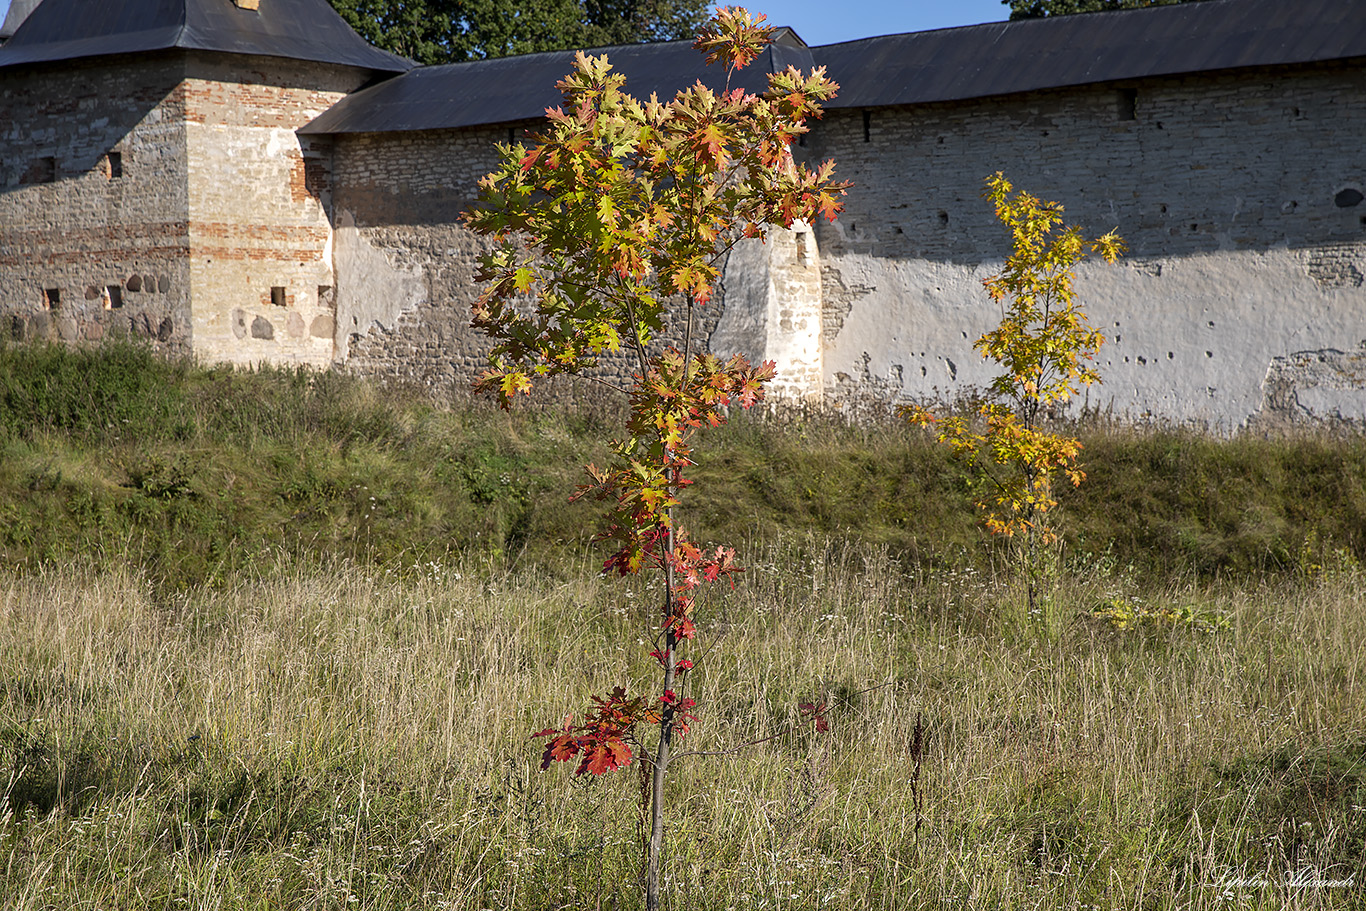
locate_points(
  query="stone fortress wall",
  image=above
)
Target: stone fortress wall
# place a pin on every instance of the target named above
(260, 229)
(1240, 199)
(131, 187)
(175, 195)
(1239, 195)
(406, 266)
(94, 221)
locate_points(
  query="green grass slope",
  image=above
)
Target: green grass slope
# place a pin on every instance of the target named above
(193, 474)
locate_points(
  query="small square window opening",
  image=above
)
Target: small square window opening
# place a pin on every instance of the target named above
(115, 165)
(52, 298)
(277, 296)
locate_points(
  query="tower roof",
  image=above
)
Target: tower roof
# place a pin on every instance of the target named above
(295, 29)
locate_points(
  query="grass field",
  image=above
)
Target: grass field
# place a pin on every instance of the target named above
(230, 679)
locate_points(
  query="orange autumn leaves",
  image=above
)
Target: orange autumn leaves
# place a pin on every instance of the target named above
(606, 230)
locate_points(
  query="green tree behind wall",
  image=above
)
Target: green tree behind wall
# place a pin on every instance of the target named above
(448, 31)
(1035, 9)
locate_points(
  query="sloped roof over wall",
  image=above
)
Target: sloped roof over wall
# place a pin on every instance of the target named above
(294, 29)
(509, 89)
(1006, 57)
(942, 65)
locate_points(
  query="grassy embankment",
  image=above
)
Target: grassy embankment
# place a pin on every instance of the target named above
(291, 695)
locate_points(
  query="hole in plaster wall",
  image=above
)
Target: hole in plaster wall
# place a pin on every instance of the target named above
(1348, 198)
(953, 369)
(46, 169)
(115, 165)
(1163, 207)
(115, 297)
(943, 217)
(1170, 356)
(1195, 227)
(277, 296)
(326, 296)
(801, 248)
(52, 298)
(1209, 354)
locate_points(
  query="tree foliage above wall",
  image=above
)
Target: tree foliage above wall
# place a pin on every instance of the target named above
(448, 31)
(1034, 9)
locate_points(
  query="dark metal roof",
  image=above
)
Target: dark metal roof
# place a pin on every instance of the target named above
(1005, 57)
(942, 65)
(295, 29)
(509, 89)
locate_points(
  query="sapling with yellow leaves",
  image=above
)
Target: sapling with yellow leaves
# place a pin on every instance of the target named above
(1046, 348)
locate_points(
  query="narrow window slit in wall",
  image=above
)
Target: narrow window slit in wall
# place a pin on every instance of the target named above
(52, 298)
(512, 135)
(115, 165)
(801, 248)
(277, 296)
(1126, 101)
(867, 126)
(115, 299)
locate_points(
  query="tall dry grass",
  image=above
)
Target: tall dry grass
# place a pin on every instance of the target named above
(358, 738)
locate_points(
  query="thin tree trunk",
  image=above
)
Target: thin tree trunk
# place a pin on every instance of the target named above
(656, 847)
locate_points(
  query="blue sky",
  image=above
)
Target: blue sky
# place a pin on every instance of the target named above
(825, 22)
